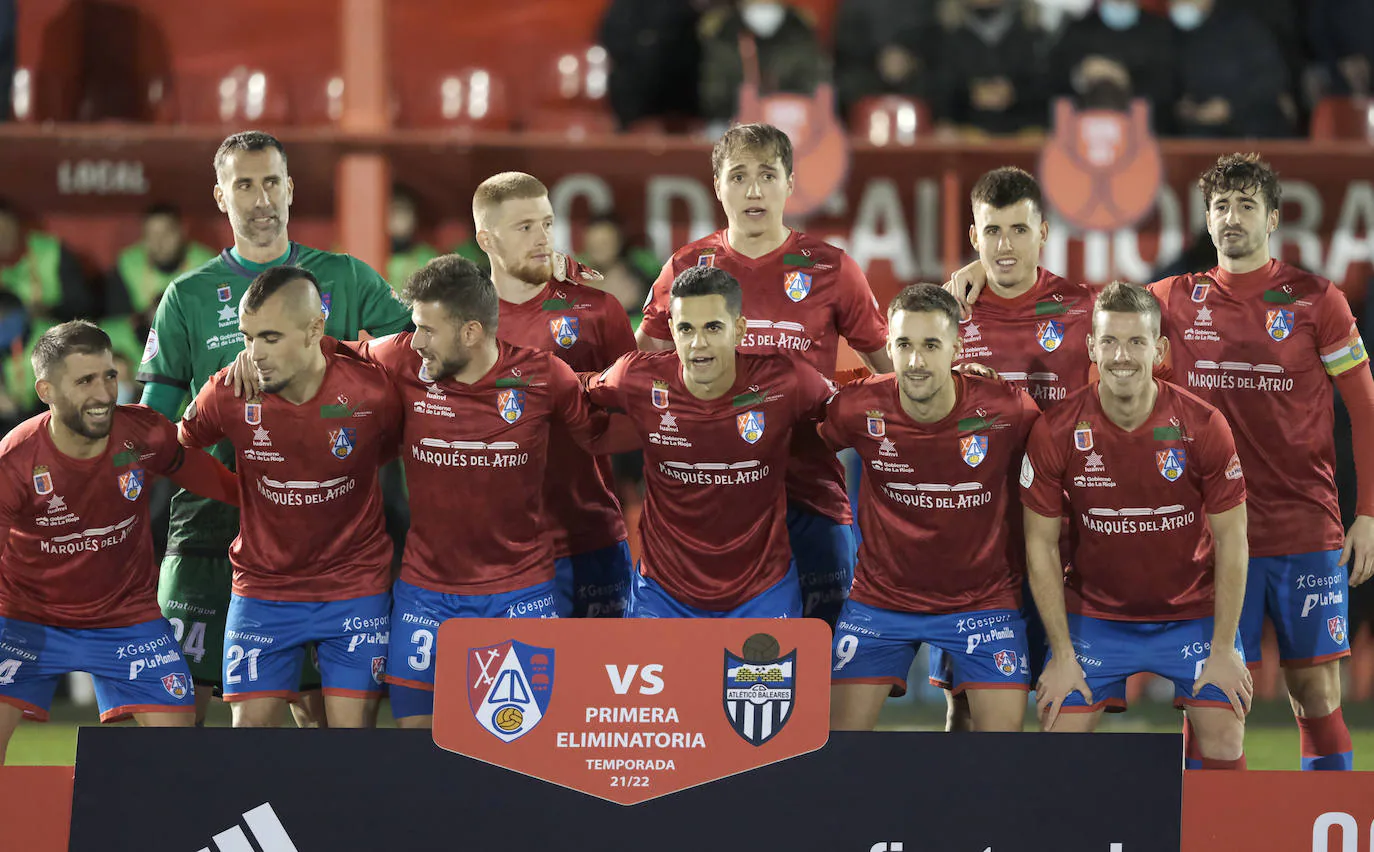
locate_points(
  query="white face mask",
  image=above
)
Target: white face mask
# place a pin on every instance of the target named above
(1186, 16)
(764, 19)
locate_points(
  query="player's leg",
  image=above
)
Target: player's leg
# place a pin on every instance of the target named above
(989, 663)
(308, 709)
(957, 718)
(870, 658)
(600, 581)
(193, 593)
(32, 660)
(1107, 653)
(262, 658)
(352, 637)
(1220, 737)
(1310, 607)
(823, 550)
(139, 671)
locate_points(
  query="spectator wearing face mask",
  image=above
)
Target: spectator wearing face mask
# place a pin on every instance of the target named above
(1232, 76)
(1118, 44)
(992, 64)
(790, 58)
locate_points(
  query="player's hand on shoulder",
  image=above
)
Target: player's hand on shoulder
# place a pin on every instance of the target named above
(567, 269)
(973, 368)
(966, 284)
(1062, 676)
(1358, 553)
(242, 377)
(1225, 669)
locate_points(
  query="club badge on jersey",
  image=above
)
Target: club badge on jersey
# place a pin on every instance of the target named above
(224, 292)
(750, 425)
(564, 331)
(797, 284)
(877, 426)
(252, 413)
(509, 686)
(342, 441)
(423, 375)
(1083, 436)
(176, 685)
(707, 258)
(1335, 625)
(1201, 289)
(973, 449)
(1279, 324)
(42, 480)
(511, 404)
(1170, 463)
(131, 484)
(658, 395)
(1006, 662)
(1049, 334)
(326, 301)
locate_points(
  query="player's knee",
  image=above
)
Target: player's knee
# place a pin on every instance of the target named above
(1315, 691)
(958, 717)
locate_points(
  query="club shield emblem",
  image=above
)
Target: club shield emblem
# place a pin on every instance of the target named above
(973, 449)
(511, 404)
(750, 425)
(1171, 463)
(131, 483)
(1279, 324)
(564, 331)
(759, 695)
(509, 686)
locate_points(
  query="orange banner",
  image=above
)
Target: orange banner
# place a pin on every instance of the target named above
(1293, 811)
(35, 807)
(629, 710)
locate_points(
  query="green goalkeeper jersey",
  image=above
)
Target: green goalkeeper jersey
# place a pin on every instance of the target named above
(196, 333)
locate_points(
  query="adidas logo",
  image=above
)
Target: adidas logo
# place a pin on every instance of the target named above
(263, 826)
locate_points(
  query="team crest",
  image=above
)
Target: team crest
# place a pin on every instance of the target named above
(326, 301)
(659, 394)
(176, 685)
(131, 483)
(1083, 436)
(707, 258)
(42, 480)
(1049, 334)
(877, 426)
(1006, 662)
(342, 441)
(1201, 289)
(759, 689)
(511, 404)
(252, 413)
(974, 449)
(797, 284)
(564, 331)
(1171, 462)
(1335, 625)
(224, 292)
(1279, 324)
(378, 669)
(509, 686)
(750, 425)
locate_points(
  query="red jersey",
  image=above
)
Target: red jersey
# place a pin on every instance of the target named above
(475, 459)
(1263, 347)
(1140, 501)
(312, 526)
(587, 329)
(1036, 341)
(926, 486)
(799, 300)
(79, 553)
(714, 525)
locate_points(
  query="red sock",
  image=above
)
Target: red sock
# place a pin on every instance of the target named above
(1324, 735)
(1211, 763)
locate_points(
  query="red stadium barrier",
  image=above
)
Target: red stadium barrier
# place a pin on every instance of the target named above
(1278, 810)
(35, 807)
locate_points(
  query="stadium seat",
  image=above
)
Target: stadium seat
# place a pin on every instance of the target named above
(889, 120)
(573, 96)
(318, 100)
(1343, 118)
(242, 95)
(470, 98)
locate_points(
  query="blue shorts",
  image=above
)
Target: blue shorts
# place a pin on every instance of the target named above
(595, 584)
(986, 649)
(1111, 651)
(136, 669)
(1307, 597)
(1037, 645)
(415, 617)
(781, 600)
(824, 553)
(263, 641)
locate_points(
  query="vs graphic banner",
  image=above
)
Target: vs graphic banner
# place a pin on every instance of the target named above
(630, 710)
